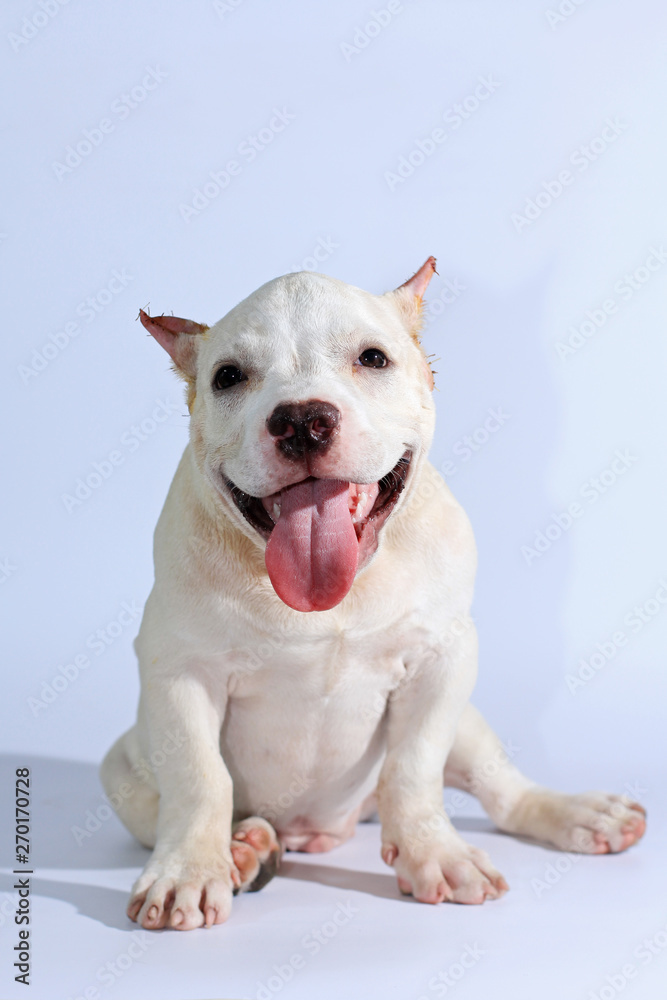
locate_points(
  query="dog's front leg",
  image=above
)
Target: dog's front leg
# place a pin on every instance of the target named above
(189, 878)
(432, 862)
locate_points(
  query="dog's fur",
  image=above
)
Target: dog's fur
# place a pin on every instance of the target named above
(353, 696)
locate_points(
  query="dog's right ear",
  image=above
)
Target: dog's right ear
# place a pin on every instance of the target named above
(408, 299)
(179, 339)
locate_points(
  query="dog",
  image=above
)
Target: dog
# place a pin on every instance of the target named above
(307, 653)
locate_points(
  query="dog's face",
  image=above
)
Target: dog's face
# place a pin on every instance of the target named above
(311, 413)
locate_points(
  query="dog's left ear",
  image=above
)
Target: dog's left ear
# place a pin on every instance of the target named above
(179, 339)
(408, 298)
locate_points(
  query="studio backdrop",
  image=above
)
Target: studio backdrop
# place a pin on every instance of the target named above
(174, 157)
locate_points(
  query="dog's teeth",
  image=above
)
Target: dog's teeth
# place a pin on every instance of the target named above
(358, 512)
(276, 511)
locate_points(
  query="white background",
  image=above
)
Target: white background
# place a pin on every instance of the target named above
(326, 178)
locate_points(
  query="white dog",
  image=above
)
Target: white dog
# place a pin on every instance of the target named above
(307, 654)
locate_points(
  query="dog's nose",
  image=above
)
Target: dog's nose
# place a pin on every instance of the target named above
(303, 428)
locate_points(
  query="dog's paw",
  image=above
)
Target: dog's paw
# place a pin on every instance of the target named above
(182, 895)
(256, 852)
(592, 823)
(446, 871)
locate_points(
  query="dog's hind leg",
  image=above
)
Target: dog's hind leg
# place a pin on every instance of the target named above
(256, 852)
(131, 788)
(590, 823)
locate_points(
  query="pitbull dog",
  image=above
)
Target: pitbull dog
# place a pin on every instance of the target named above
(307, 652)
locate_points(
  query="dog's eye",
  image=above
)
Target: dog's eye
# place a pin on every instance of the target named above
(373, 358)
(228, 376)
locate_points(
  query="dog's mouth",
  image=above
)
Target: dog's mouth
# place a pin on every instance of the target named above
(319, 531)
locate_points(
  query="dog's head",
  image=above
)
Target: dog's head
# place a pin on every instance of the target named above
(311, 414)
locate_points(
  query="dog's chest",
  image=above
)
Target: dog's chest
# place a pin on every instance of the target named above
(320, 674)
(313, 708)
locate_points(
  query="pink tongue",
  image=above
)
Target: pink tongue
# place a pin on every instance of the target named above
(312, 553)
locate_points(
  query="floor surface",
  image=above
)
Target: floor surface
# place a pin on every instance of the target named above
(334, 925)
